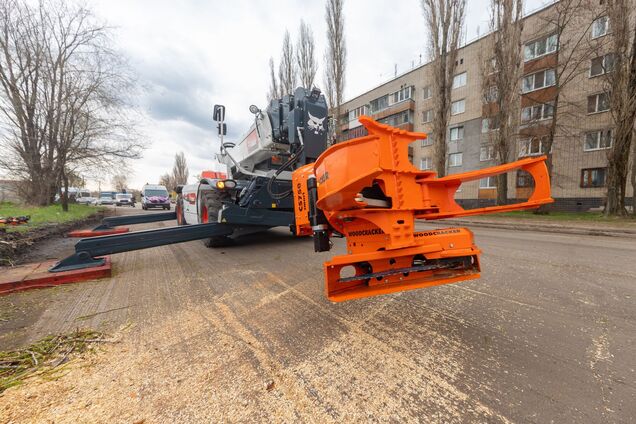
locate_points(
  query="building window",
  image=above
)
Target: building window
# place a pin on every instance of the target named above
(458, 107)
(427, 116)
(538, 80)
(486, 153)
(354, 133)
(537, 112)
(602, 65)
(379, 104)
(540, 47)
(524, 179)
(397, 119)
(491, 94)
(600, 27)
(593, 177)
(426, 163)
(597, 140)
(357, 112)
(400, 95)
(426, 92)
(533, 146)
(488, 182)
(598, 103)
(493, 67)
(459, 80)
(428, 141)
(489, 124)
(455, 159)
(457, 133)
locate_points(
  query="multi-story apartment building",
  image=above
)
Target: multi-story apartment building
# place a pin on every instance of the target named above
(584, 123)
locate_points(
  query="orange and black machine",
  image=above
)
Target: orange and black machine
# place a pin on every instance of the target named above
(367, 190)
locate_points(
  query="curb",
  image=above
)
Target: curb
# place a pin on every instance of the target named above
(550, 229)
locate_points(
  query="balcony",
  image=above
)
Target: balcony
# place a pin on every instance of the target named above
(393, 109)
(407, 126)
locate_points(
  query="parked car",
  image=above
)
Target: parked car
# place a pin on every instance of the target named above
(86, 200)
(111, 194)
(124, 199)
(154, 196)
(105, 200)
(74, 195)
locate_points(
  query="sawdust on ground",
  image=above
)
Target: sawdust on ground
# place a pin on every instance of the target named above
(204, 365)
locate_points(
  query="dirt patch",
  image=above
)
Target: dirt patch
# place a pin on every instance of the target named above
(15, 245)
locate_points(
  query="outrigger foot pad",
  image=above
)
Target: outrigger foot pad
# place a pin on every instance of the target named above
(78, 260)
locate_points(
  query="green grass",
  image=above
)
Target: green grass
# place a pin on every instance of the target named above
(45, 215)
(45, 357)
(565, 216)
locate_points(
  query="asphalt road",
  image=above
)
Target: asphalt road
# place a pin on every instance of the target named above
(245, 334)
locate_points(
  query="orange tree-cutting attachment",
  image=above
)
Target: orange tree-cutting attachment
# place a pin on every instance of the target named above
(367, 190)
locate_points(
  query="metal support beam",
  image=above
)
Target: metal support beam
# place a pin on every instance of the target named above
(88, 250)
(237, 215)
(114, 221)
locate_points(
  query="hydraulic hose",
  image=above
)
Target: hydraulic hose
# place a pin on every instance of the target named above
(270, 183)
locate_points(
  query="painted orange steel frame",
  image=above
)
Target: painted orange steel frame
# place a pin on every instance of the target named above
(371, 193)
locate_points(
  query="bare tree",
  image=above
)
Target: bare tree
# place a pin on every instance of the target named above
(119, 182)
(500, 82)
(335, 60)
(167, 180)
(61, 96)
(25, 154)
(621, 88)
(444, 21)
(565, 33)
(180, 172)
(274, 89)
(287, 69)
(305, 56)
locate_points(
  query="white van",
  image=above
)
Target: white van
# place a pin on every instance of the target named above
(155, 196)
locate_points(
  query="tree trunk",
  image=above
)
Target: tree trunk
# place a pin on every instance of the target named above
(633, 177)
(545, 209)
(502, 189)
(64, 197)
(624, 87)
(616, 184)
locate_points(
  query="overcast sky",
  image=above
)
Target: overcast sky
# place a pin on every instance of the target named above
(190, 55)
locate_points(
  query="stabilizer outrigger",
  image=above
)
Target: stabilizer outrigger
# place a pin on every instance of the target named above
(89, 251)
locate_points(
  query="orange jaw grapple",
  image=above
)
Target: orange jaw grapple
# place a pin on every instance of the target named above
(367, 190)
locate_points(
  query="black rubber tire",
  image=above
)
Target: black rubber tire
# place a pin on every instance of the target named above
(212, 200)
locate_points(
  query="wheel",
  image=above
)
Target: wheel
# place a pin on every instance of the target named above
(144, 207)
(211, 203)
(178, 208)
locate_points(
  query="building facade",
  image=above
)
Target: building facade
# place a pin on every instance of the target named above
(584, 122)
